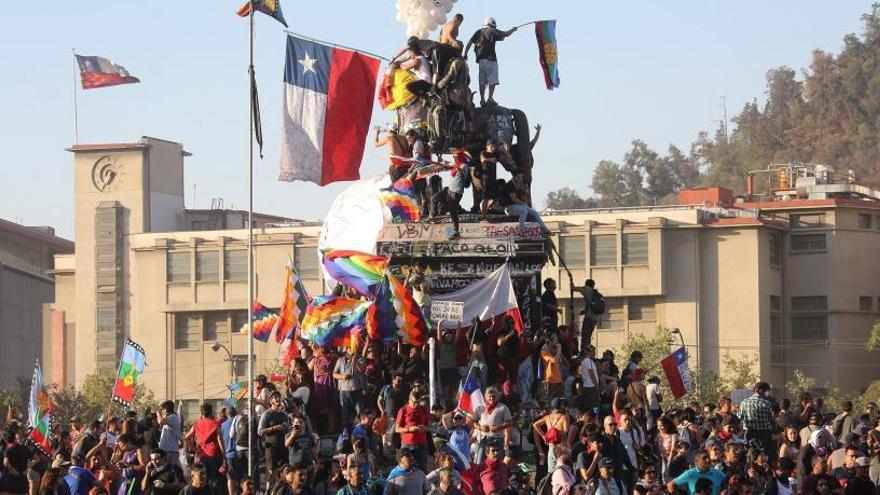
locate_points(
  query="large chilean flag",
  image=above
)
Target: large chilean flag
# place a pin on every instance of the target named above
(328, 101)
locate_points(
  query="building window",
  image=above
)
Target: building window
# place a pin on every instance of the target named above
(635, 249)
(216, 326)
(864, 221)
(614, 317)
(808, 242)
(305, 259)
(642, 309)
(775, 248)
(866, 303)
(572, 250)
(179, 267)
(775, 303)
(239, 364)
(235, 265)
(187, 330)
(809, 328)
(810, 221)
(189, 410)
(809, 303)
(207, 266)
(777, 339)
(603, 250)
(239, 320)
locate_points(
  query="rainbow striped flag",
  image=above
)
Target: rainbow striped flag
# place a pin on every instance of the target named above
(400, 199)
(331, 320)
(361, 271)
(548, 53)
(293, 309)
(271, 8)
(396, 314)
(264, 322)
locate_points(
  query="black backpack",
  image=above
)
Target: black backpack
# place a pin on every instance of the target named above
(597, 303)
(241, 432)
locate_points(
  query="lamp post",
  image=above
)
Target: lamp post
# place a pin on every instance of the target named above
(229, 358)
(676, 331)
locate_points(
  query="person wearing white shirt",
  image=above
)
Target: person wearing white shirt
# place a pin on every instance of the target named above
(652, 389)
(589, 381)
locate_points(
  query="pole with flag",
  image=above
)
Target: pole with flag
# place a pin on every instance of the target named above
(250, 244)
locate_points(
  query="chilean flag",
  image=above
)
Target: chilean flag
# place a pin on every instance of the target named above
(328, 102)
(99, 72)
(470, 397)
(678, 374)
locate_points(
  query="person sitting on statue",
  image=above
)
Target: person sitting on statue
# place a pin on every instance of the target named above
(450, 196)
(512, 200)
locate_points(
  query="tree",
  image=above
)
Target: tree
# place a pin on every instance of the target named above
(567, 198)
(92, 399)
(658, 177)
(874, 339)
(608, 183)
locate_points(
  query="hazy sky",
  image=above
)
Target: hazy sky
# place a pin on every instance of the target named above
(648, 69)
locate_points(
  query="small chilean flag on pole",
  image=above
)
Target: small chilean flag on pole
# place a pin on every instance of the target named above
(328, 102)
(470, 397)
(98, 72)
(678, 374)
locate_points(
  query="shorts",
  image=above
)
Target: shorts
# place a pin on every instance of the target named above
(236, 467)
(488, 72)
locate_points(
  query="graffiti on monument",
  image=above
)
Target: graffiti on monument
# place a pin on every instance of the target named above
(413, 231)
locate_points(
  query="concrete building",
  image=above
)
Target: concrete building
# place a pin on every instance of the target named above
(26, 284)
(789, 280)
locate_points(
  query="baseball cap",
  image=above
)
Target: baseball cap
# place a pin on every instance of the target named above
(405, 452)
(490, 21)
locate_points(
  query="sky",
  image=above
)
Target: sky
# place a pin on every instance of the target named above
(629, 69)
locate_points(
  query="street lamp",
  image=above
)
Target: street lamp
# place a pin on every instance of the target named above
(676, 331)
(229, 358)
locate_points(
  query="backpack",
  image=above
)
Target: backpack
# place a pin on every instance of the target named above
(597, 303)
(837, 424)
(241, 431)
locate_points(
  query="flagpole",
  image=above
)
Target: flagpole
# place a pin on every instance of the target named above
(250, 245)
(75, 107)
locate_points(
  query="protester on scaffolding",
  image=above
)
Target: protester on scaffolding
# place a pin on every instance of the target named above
(484, 41)
(591, 318)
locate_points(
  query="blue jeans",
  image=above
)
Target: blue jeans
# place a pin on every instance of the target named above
(349, 402)
(525, 213)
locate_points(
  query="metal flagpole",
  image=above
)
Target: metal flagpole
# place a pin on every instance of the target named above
(250, 248)
(75, 107)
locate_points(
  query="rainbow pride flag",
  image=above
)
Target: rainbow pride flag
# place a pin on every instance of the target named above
(545, 31)
(400, 199)
(331, 320)
(264, 322)
(361, 271)
(396, 314)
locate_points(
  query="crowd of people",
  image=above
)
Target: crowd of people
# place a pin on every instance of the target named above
(358, 420)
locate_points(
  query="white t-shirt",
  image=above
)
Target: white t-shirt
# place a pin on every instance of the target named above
(632, 440)
(653, 392)
(169, 438)
(586, 365)
(303, 393)
(499, 415)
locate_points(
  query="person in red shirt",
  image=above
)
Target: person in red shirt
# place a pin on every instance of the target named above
(493, 472)
(412, 424)
(209, 444)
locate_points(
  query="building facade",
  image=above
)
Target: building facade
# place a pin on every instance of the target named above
(790, 283)
(26, 285)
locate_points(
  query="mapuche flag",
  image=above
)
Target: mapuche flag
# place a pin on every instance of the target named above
(131, 365)
(98, 72)
(328, 102)
(548, 52)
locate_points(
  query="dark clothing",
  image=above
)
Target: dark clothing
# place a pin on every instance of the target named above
(169, 474)
(487, 171)
(859, 486)
(393, 399)
(441, 56)
(678, 466)
(151, 439)
(808, 484)
(300, 451)
(484, 43)
(205, 489)
(270, 419)
(506, 192)
(549, 304)
(18, 456)
(613, 448)
(85, 444)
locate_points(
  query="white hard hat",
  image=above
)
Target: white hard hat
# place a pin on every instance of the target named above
(490, 21)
